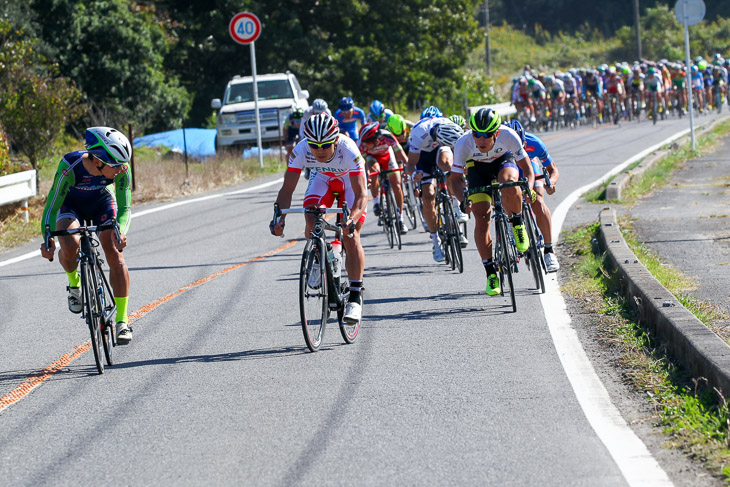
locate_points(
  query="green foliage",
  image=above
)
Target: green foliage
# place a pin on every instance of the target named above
(114, 50)
(31, 110)
(662, 36)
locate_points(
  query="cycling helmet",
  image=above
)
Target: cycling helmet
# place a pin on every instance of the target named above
(702, 65)
(431, 111)
(448, 133)
(522, 81)
(531, 82)
(485, 120)
(346, 104)
(515, 125)
(549, 79)
(458, 120)
(396, 124)
(695, 69)
(369, 132)
(319, 106)
(321, 128)
(651, 70)
(109, 145)
(297, 113)
(377, 108)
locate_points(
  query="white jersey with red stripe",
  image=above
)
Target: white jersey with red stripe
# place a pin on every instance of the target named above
(347, 160)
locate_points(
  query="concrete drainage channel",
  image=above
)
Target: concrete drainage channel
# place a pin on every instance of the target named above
(688, 340)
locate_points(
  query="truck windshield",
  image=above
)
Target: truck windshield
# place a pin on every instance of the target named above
(268, 90)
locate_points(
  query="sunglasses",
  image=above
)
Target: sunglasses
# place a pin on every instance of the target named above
(105, 159)
(323, 145)
(479, 135)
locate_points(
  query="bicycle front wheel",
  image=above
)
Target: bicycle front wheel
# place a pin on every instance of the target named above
(394, 221)
(409, 203)
(93, 312)
(313, 304)
(107, 325)
(349, 331)
(507, 262)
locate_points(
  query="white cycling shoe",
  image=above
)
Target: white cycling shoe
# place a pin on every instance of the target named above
(438, 254)
(353, 313)
(551, 262)
(74, 299)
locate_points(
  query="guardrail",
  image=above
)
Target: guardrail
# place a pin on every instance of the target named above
(18, 187)
(504, 109)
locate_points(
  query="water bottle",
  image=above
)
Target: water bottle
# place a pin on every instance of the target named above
(337, 259)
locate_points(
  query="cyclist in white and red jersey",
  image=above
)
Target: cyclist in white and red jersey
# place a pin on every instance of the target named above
(382, 152)
(337, 166)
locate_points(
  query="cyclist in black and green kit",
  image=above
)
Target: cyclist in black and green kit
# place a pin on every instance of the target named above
(80, 191)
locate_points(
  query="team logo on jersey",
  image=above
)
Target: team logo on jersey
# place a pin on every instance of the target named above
(65, 171)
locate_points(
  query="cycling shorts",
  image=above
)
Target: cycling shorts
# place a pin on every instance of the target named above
(291, 135)
(596, 92)
(321, 191)
(98, 211)
(537, 169)
(427, 164)
(483, 174)
(385, 159)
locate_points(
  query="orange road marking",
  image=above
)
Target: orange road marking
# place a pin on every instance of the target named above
(37, 379)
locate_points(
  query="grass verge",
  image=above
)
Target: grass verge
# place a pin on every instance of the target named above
(693, 417)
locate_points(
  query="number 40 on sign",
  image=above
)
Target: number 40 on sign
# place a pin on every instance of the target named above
(244, 28)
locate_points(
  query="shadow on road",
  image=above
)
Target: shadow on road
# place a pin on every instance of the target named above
(219, 357)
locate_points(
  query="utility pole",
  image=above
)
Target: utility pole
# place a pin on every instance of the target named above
(486, 43)
(638, 27)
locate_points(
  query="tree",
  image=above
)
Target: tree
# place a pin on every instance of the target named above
(36, 106)
(114, 50)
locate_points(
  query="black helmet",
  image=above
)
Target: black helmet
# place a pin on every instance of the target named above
(485, 120)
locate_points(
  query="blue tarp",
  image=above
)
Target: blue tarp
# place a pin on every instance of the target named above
(200, 143)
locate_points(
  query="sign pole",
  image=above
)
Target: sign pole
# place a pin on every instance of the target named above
(256, 105)
(689, 83)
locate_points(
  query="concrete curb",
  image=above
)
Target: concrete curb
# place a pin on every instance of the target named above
(688, 340)
(617, 186)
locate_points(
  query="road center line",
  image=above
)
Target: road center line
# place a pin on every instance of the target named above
(35, 380)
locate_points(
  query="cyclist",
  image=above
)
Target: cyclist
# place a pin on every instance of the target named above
(636, 88)
(538, 96)
(539, 157)
(79, 192)
(697, 86)
(557, 94)
(616, 92)
(653, 84)
(337, 167)
(425, 154)
(593, 84)
(492, 151)
(348, 115)
(571, 85)
(293, 121)
(378, 113)
(382, 151)
(318, 106)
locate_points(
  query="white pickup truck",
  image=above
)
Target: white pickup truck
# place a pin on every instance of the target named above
(278, 94)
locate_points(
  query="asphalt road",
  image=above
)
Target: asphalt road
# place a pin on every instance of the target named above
(444, 385)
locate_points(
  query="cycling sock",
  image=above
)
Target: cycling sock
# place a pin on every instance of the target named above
(490, 266)
(516, 220)
(548, 248)
(122, 308)
(74, 280)
(435, 238)
(355, 292)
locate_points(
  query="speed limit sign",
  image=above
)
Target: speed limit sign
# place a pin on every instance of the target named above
(244, 28)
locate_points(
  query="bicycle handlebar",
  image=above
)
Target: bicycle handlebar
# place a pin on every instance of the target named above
(113, 225)
(385, 172)
(497, 186)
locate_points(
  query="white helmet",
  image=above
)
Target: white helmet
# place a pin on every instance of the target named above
(321, 128)
(319, 106)
(108, 144)
(448, 133)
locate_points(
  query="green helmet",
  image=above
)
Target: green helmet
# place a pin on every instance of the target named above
(485, 120)
(396, 124)
(458, 120)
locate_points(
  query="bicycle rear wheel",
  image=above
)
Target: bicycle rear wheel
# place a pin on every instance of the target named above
(313, 305)
(532, 259)
(507, 262)
(393, 217)
(409, 203)
(93, 312)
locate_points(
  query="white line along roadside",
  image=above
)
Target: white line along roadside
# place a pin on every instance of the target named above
(636, 463)
(36, 253)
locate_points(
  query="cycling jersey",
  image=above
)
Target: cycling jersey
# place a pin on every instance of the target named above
(538, 155)
(697, 81)
(614, 86)
(557, 87)
(384, 150)
(467, 155)
(77, 191)
(654, 83)
(349, 124)
(421, 139)
(388, 114)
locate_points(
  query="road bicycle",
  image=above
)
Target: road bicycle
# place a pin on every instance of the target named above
(449, 230)
(97, 298)
(388, 208)
(535, 257)
(505, 250)
(323, 283)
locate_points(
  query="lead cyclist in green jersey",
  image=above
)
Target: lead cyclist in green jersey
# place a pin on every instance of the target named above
(80, 192)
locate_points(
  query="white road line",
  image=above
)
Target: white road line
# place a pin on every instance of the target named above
(636, 463)
(37, 253)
